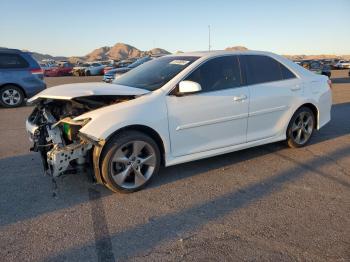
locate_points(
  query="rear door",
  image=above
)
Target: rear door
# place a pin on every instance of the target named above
(213, 118)
(273, 89)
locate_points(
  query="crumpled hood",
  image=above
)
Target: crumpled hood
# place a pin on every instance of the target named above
(70, 91)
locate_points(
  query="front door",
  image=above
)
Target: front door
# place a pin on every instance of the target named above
(213, 118)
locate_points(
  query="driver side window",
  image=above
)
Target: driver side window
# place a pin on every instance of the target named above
(217, 74)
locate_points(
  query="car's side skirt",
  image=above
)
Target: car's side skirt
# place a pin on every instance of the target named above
(170, 161)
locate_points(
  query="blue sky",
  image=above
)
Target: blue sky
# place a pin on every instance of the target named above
(75, 27)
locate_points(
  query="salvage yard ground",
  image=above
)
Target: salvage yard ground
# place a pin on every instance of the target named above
(265, 203)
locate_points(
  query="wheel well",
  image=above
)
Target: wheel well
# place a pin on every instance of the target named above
(148, 131)
(314, 110)
(11, 84)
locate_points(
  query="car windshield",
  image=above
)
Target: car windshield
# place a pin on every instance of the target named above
(154, 74)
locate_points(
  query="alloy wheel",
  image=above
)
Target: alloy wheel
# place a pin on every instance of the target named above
(11, 97)
(133, 164)
(302, 128)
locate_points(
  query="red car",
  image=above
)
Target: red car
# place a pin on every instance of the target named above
(107, 68)
(63, 69)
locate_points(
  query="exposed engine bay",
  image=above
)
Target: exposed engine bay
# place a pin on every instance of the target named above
(55, 133)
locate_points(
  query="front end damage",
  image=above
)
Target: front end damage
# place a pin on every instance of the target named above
(56, 136)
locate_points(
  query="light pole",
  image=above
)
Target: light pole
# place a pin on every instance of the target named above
(209, 37)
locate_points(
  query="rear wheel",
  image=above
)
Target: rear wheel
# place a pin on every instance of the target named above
(11, 96)
(129, 161)
(88, 73)
(301, 127)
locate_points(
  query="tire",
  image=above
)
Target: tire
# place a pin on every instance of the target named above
(88, 73)
(129, 161)
(11, 96)
(301, 127)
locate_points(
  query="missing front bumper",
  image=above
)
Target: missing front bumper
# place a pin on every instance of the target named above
(59, 159)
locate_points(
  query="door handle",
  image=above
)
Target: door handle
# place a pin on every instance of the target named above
(239, 98)
(296, 88)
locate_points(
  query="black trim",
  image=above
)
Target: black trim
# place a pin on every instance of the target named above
(245, 70)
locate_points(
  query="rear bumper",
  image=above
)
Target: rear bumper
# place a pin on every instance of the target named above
(108, 79)
(325, 107)
(32, 91)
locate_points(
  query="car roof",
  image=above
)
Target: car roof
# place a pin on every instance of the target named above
(204, 55)
(9, 50)
(223, 52)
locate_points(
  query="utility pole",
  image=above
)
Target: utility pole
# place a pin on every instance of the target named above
(209, 37)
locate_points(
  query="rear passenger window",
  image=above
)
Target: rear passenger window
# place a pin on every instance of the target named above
(12, 61)
(218, 73)
(286, 73)
(261, 69)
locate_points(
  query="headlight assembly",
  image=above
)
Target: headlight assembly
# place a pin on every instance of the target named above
(70, 127)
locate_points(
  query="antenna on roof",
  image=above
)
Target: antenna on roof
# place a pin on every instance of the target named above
(209, 37)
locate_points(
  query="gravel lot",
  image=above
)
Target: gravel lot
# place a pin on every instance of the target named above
(265, 203)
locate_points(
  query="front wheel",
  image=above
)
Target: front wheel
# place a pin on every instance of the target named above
(129, 161)
(300, 128)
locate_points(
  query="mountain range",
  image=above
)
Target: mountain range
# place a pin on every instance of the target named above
(121, 51)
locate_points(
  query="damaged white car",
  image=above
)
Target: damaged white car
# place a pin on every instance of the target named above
(176, 109)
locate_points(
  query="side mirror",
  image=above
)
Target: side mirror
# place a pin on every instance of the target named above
(186, 87)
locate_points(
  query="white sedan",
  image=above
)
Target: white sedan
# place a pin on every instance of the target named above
(342, 64)
(94, 69)
(176, 109)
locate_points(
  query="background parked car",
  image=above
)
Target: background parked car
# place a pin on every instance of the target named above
(317, 67)
(20, 77)
(110, 75)
(79, 70)
(44, 66)
(119, 64)
(342, 64)
(327, 62)
(107, 68)
(62, 69)
(49, 62)
(327, 70)
(94, 69)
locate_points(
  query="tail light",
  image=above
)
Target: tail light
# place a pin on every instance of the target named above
(329, 82)
(37, 71)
